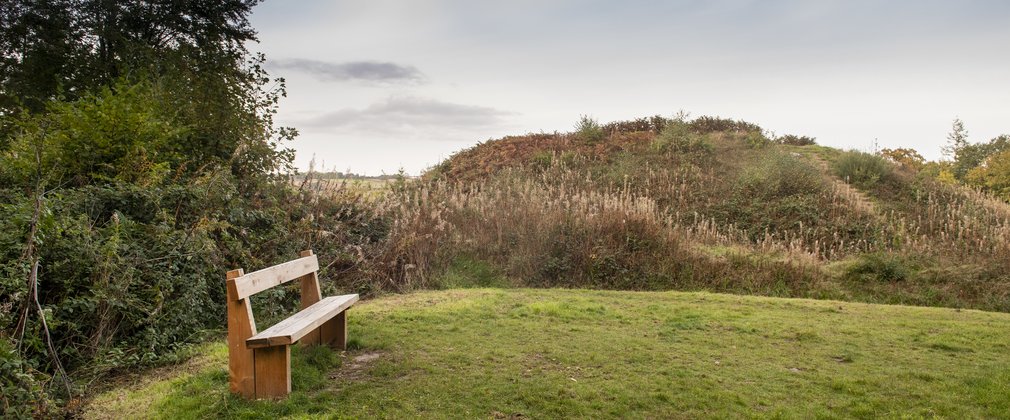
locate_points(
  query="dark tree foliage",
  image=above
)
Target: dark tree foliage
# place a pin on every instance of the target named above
(63, 49)
(41, 52)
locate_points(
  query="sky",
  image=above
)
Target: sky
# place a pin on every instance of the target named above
(375, 86)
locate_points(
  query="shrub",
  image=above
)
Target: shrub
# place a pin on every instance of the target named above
(862, 169)
(130, 275)
(778, 175)
(654, 124)
(588, 130)
(677, 137)
(706, 124)
(541, 160)
(22, 395)
(778, 193)
(794, 140)
(756, 140)
(880, 267)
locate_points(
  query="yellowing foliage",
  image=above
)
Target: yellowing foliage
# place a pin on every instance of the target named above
(946, 176)
(993, 175)
(908, 158)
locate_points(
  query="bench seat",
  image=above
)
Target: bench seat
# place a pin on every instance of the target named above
(302, 323)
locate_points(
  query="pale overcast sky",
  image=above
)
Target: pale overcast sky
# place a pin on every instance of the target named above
(374, 85)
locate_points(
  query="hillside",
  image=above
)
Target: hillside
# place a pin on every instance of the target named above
(708, 204)
(521, 353)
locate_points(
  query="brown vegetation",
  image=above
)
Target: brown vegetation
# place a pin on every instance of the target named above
(692, 208)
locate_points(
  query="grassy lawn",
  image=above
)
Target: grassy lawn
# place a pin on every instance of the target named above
(487, 353)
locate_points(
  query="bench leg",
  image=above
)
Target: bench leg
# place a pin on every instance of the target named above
(310, 339)
(273, 371)
(334, 331)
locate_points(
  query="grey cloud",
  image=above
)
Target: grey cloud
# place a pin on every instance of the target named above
(402, 113)
(368, 71)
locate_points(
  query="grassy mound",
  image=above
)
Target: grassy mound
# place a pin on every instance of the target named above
(575, 353)
(709, 204)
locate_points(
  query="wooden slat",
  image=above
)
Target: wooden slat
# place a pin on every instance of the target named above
(300, 324)
(266, 278)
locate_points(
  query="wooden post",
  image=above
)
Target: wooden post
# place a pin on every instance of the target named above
(241, 326)
(310, 295)
(273, 371)
(334, 331)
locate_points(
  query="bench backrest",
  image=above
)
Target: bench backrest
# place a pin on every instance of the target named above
(258, 281)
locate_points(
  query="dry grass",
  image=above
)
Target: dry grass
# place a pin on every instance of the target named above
(733, 214)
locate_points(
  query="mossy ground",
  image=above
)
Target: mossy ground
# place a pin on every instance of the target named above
(573, 353)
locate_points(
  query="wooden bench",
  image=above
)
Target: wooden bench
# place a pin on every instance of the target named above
(259, 365)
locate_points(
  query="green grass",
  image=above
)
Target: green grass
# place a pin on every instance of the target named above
(465, 272)
(483, 353)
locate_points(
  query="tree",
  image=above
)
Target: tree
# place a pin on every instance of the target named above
(971, 156)
(966, 156)
(956, 139)
(908, 158)
(67, 47)
(41, 48)
(193, 50)
(993, 175)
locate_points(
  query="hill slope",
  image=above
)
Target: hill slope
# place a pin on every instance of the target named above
(708, 204)
(576, 353)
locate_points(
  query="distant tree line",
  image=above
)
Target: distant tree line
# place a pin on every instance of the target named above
(984, 165)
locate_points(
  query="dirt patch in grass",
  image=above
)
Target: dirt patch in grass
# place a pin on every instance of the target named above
(355, 366)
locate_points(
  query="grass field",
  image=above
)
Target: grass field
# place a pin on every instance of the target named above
(489, 353)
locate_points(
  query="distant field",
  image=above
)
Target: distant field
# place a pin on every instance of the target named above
(488, 353)
(370, 186)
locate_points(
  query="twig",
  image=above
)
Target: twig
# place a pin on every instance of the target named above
(45, 327)
(32, 256)
(29, 254)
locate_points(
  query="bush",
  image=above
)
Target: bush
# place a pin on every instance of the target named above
(22, 395)
(778, 175)
(589, 131)
(130, 275)
(794, 140)
(777, 193)
(756, 140)
(862, 169)
(706, 124)
(677, 137)
(117, 134)
(541, 160)
(880, 267)
(654, 124)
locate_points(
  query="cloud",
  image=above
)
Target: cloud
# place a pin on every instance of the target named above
(366, 71)
(398, 114)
